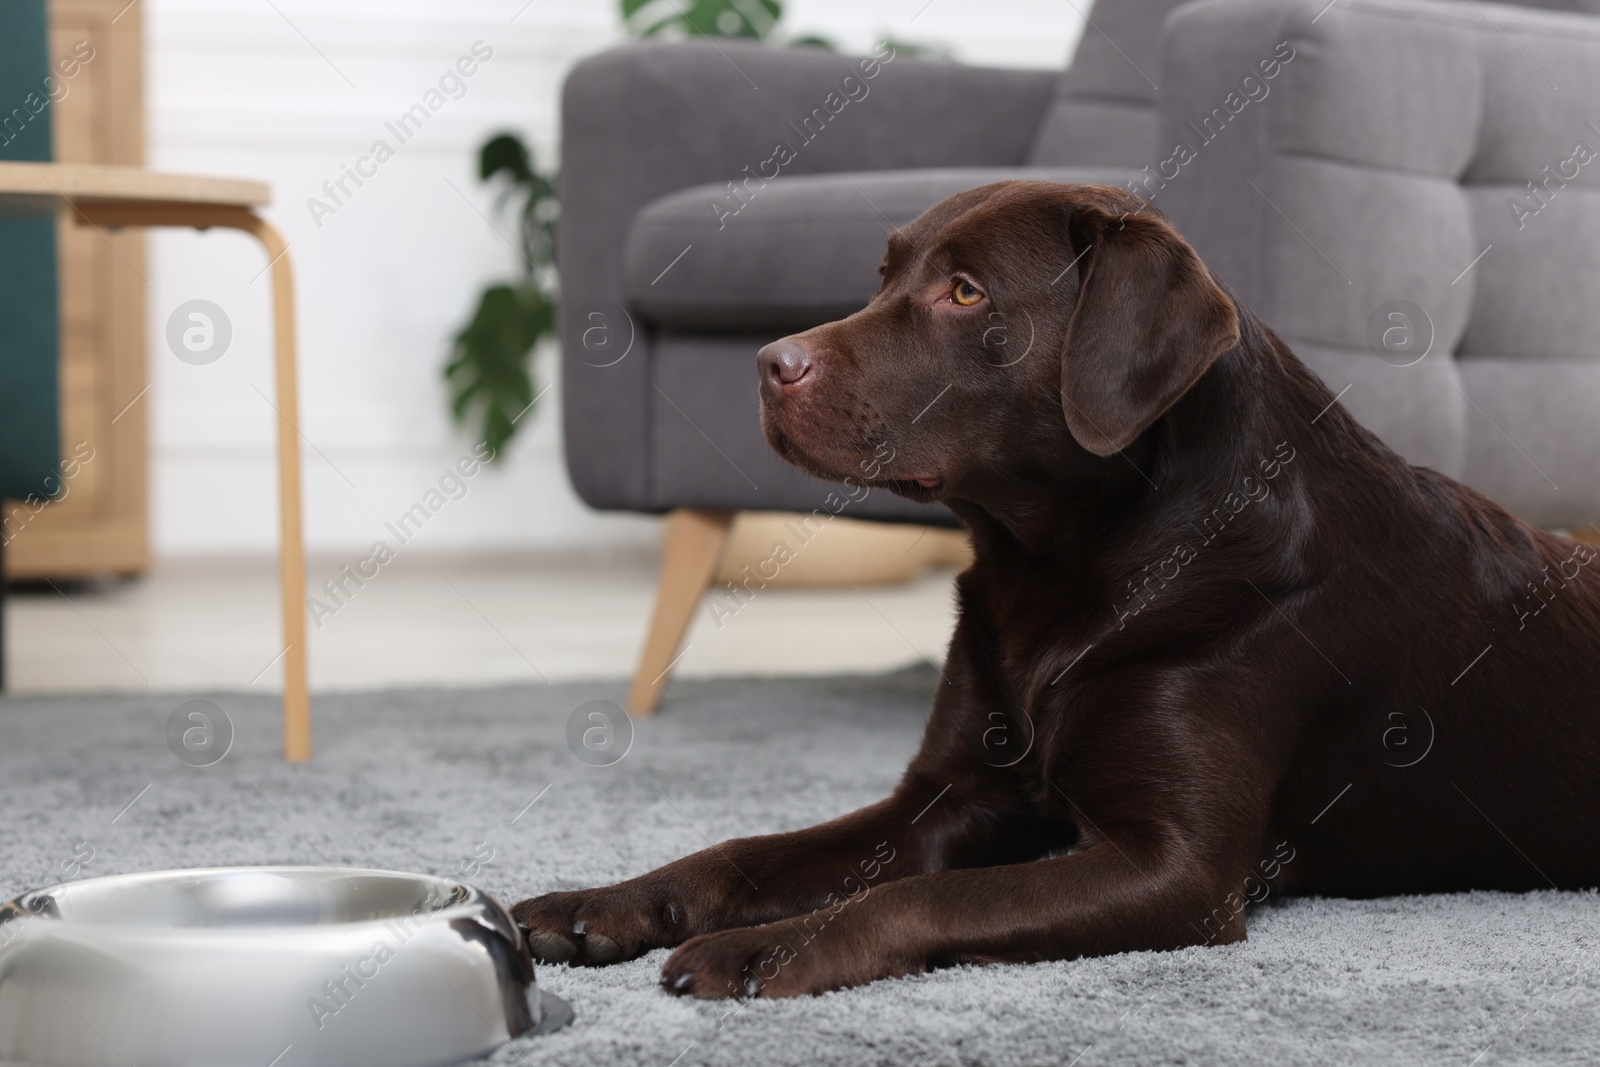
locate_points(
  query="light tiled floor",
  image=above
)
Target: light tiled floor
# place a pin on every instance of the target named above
(448, 622)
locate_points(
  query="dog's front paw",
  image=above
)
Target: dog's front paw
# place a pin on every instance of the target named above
(775, 960)
(600, 926)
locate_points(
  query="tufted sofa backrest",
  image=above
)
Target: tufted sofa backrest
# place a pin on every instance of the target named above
(1421, 158)
(1104, 109)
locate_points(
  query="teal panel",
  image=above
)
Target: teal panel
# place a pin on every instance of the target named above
(30, 405)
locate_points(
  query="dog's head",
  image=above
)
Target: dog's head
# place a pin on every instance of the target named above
(1019, 323)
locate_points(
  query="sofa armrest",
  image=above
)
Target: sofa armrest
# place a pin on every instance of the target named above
(642, 121)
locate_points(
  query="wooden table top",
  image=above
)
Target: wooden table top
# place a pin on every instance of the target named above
(32, 187)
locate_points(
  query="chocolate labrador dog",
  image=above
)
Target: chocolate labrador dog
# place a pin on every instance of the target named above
(1218, 641)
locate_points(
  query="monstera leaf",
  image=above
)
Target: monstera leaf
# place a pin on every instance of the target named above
(489, 369)
(507, 157)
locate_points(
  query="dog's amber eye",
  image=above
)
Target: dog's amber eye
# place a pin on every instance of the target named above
(965, 293)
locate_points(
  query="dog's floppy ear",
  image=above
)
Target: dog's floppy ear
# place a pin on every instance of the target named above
(1149, 320)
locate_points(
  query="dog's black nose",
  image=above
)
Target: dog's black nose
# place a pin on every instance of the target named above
(783, 363)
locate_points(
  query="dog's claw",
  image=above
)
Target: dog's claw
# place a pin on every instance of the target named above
(680, 983)
(672, 914)
(752, 985)
(580, 929)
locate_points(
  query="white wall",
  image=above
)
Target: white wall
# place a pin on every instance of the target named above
(288, 93)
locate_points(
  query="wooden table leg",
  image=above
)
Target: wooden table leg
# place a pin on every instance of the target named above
(291, 543)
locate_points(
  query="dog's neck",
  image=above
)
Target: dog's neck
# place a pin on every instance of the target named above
(1046, 514)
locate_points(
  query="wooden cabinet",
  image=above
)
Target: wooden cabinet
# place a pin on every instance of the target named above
(101, 526)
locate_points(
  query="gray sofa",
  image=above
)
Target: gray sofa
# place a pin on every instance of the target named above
(1352, 169)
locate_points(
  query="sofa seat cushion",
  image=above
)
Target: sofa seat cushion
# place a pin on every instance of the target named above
(790, 253)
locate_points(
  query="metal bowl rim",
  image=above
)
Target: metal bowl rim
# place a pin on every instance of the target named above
(475, 902)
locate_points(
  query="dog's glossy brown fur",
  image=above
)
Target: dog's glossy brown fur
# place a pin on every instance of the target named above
(1218, 641)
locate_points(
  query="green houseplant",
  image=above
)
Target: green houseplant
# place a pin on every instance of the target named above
(490, 372)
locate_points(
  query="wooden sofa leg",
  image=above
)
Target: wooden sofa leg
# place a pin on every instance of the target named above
(695, 539)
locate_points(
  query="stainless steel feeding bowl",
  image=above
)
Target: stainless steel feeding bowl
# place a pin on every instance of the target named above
(263, 967)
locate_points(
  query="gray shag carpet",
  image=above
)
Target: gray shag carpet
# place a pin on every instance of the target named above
(434, 781)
